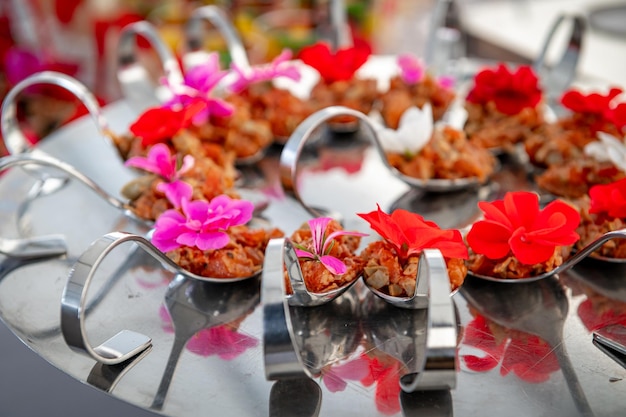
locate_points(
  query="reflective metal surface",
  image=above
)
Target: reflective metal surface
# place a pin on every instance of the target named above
(364, 345)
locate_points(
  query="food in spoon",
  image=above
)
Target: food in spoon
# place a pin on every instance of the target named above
(517, 239)
(392, 263)
(326, 254)
(504, 107)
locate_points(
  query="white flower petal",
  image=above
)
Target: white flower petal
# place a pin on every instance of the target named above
(414, 131)
(608, 148)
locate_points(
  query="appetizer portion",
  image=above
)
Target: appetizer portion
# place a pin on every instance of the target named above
(326, 254)
(392, 263)
(516, 239)
(504, 107)
(414, 86)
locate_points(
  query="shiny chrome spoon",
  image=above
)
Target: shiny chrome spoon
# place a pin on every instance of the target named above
(40, 159)
(569, 263)
(33, 247)
(126, 343)
(136, 83)
(303, 135)
(280, 254)
(14, 139)
(195, 37)
(437, 369)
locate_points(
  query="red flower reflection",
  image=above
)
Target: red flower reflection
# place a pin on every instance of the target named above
(609, 199)
(517, 226)
(597, 105)
(335, 66)
(158, 124)
(527, 356)
(509, 91)
(409, 234)
(383, 372)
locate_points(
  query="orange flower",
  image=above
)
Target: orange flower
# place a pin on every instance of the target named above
(511, 92)
(517, 226)
(409, 234)
(335, 66)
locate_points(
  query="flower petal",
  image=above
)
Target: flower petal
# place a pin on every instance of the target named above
(334, 265)
(490, 239)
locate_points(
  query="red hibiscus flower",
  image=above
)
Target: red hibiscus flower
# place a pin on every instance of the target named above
(525, 355)
(517, 226)
(158, 124)
(609, 199)
(335, 66)
(409, 234)
(511, 92)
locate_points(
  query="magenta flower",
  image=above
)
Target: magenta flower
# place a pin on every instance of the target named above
(198, 83)
(161, 162)
(411, 68)
(322, 245)
(280, 67)
(199, 223)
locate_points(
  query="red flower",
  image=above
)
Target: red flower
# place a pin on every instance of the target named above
(609, 198)
(158, 124)
(409, 233)
(517, 226)
(597, 105)
(509, 91)
(335, 66)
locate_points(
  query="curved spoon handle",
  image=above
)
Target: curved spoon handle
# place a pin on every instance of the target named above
(281, 359)
(194, 31)
(125, 344)
(138, 88)
(589, 249)
(294, 147)
(557, 79)
(33, 247)
(439, 362)
(342, 38)
(41, 159)
(14, 139)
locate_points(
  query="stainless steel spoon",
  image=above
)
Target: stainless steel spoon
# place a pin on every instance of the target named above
(569, 263)
(126, 343)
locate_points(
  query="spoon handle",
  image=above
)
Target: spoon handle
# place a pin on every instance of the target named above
(576, 390)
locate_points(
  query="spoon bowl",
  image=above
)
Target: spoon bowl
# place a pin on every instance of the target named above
(569, 263)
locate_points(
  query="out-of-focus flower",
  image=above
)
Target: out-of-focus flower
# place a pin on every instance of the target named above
(415, 129)
(280, 67)
(199, 81)
(601, 106)
(159, 124)
(509, 91)
(609, 199)
(335, 66)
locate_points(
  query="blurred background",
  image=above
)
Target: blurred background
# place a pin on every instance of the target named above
(79, 37)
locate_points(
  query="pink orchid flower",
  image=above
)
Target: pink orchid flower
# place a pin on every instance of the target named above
(322, 245)
(160, 161)
(199, 223)
(198, 83)
(280, 67)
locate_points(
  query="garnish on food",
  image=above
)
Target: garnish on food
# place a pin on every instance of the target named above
(518, 239)
(326, 254)
(392, 263)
